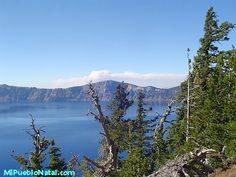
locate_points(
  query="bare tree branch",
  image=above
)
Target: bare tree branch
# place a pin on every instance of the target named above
(183, 165)
(110, 163)
(159, 129)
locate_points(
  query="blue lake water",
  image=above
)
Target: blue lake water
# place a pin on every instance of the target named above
(67, 123)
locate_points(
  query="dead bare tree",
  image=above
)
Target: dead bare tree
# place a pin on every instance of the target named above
(162, 124)
(110, 164)
(188, 96)
(73, 164)
(40, 143)
(187, 165)
(160, 129)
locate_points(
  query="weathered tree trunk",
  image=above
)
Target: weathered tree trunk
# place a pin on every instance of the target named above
(111, 162)
(186, 165)
(160, 129)
(188, 97)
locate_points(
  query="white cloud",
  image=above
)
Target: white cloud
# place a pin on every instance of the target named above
(164, 80)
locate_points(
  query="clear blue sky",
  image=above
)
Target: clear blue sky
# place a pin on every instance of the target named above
(45, 40)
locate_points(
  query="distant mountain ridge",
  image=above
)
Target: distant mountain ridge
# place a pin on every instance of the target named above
(105, 90)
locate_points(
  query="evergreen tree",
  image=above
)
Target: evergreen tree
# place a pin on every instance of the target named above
(212, 90)
(115, 134)
(135, 164)
(208, 120)
(55, 160)
(119, 126)
(41, 149)
(142, 138)
(230, 107)
(138, 161)
(220, 102)
(37, 157)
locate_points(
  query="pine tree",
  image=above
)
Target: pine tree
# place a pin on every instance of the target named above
(208, 121)
(115, 133)
(135, 164)
(229, 110)
(41, 149)
(211, 93)
(142, 129)
(119, 125)
(220, 107)
(36, 158)
(55, 160)
(138, 161)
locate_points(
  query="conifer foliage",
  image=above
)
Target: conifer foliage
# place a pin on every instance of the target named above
(56, 162)
(136, 146)
(38, 155)
(42, 148)
(212, 94)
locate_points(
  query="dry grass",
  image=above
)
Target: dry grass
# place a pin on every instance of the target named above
(230, 172)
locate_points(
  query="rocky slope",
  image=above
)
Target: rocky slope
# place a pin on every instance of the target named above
(105, 90)
(229, 172)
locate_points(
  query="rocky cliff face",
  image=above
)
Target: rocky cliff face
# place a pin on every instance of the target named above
(104, 89)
